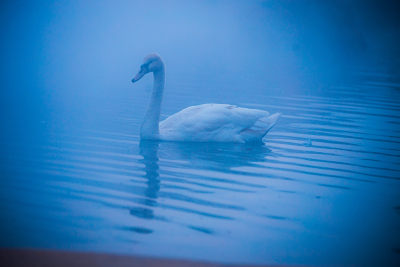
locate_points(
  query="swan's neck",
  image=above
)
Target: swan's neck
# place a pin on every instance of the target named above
(149, 129)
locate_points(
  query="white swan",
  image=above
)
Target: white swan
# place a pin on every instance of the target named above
(202, 123)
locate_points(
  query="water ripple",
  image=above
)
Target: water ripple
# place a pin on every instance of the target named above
(329, 168)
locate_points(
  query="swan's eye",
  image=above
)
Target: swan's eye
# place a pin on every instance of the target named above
(144, 67)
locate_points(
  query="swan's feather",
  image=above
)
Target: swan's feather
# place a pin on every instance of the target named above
(260, 128)
(218, 123)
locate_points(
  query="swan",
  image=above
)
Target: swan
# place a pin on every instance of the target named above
(201, 123)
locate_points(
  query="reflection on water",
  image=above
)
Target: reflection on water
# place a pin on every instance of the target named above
(324, 187)
(197, 157)
(222, 156)
(149, 151)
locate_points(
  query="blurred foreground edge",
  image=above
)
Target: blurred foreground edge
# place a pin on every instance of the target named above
(51, 258)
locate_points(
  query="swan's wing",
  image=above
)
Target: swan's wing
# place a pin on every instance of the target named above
(214, 122)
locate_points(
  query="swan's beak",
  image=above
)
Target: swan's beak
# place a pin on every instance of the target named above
(138, 76)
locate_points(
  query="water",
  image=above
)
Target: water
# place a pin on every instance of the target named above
(323, 190)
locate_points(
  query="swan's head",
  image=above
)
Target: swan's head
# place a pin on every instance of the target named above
(151, 63)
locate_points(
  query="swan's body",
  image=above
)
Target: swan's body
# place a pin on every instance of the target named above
(202, 123)
(217, 123)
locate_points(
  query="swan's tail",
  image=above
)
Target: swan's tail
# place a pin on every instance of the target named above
(260, 128)
(269, 122)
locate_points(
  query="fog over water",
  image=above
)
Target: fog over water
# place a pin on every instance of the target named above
(323, 190)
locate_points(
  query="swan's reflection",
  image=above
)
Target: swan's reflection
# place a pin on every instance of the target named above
(201, 156)
(221, 156)
(149, 152)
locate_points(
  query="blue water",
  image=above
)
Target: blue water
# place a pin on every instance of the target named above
(323, 190)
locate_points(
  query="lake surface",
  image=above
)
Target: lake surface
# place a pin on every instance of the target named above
(323, 190)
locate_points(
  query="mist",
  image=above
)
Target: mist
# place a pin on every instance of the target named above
(67, 56)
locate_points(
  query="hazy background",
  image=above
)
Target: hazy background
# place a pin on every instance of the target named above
(62, 60)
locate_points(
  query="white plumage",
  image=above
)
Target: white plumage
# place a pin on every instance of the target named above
(202, 123)
(217, 123)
